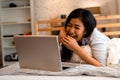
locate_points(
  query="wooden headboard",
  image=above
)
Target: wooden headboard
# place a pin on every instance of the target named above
(110, 24)
(105, 24)
(51, 25)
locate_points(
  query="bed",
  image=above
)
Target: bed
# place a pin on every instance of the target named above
(82, 71)
(53, 78)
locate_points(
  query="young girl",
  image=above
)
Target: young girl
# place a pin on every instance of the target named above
(80, 30)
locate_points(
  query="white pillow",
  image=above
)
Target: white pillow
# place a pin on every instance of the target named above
(113, 51)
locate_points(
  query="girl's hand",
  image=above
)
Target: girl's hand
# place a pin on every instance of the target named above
(69, 42)
(61, 35)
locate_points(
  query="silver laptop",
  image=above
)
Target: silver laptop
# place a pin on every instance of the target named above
(39, 52)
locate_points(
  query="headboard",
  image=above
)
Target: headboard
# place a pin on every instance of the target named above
(105, 24)
(51, 25)
(110, 24)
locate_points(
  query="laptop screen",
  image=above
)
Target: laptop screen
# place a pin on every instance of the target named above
(38, 52)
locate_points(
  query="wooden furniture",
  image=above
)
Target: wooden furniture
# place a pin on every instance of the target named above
(14, 20)
(109, 23)
(52, 25)
(104, 24)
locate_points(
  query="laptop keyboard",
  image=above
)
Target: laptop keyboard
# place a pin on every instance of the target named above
(68, 64)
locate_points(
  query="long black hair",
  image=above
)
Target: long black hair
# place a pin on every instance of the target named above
(89, 23)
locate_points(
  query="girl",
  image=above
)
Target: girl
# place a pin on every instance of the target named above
(80, 30)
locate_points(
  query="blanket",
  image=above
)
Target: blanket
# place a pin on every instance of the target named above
(82, 69)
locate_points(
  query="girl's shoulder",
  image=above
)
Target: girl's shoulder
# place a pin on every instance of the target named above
(97, 35)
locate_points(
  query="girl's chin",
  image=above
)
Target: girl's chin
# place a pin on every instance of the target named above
(77, 39)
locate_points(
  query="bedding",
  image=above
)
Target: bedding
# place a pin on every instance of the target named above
(112, 71)
(21, 77)
(113, 51)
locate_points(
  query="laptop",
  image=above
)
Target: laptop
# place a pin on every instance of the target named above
(39, 52)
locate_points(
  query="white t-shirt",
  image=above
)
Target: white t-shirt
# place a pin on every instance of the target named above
(98, 43)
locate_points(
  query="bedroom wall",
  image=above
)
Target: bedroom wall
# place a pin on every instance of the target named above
(118, 6)
(46, 9)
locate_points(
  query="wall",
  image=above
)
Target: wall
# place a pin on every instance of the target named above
(118, 6)
(46, 9)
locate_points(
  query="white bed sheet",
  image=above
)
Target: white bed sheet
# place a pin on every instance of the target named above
(21, 77)
(13, 72)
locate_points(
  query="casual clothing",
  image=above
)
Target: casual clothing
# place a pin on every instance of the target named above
(98, 45)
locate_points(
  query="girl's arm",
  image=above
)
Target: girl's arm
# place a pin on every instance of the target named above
(71, 44)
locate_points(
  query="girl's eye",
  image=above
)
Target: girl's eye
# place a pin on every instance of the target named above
(77, 28)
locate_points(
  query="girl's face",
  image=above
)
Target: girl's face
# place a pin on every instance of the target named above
(75, 29)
